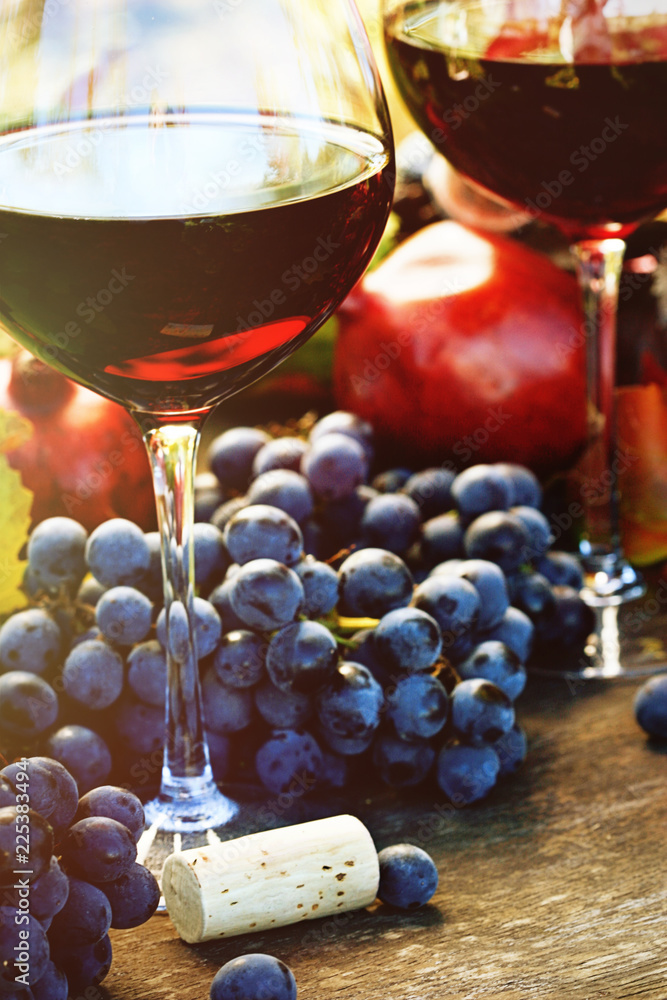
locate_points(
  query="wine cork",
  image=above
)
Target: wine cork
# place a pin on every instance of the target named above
(271, 879)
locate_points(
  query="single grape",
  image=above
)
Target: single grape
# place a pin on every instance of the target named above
(208, 629)
(408, 639)
(350, 705)
(524, 485)
(98, 849)
(17, 828)
(28, 705)
(265, 594)
(408, 876)
(226, 709)
(140, 727)
(83, 752)
(18, 958)
(570, 622)
(240, 659)
(56, 552)
(231, 455)
(133, 897)
(417, 706)
(285, 489)
(93, 674)
(254, 976)
(86, 966)
(30, 641)
(211, 556)
(302, 657)
(335, 464)
(481, 712)
(442, 538)
(280, 453)
(511, 750)
(455, 605)
(402, 764)
(343, 422)
(373, 582)
(46, 770)
(467, 774)
(431, 490)
(494, 661)
(85, 918)
(390, 521)
(116, 803)
(479, 489)
(117, 553)
(539, 531)
(516, 630)
(650, 707)
(532, 594)
(320, 586)
(562, 569)
(263, 532)
(498, 537)
(41, 784)
(124, 615)
(282, 709)
(147, 672)
(490, 583)
(347, 746)
(288, 757)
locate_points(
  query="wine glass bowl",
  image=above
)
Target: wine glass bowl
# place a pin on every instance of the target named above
(188, 189)
(558, 109)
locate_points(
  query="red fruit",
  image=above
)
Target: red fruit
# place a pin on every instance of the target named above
(85, 459)
(466, 347)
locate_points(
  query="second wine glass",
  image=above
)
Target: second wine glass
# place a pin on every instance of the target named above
(558, 109)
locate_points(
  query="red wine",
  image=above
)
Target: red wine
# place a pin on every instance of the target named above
(169, 262)
(582, 145)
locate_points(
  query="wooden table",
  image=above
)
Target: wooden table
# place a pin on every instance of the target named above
(553, 888)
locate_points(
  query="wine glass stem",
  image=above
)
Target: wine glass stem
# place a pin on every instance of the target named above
(610, 578)
(172, 449)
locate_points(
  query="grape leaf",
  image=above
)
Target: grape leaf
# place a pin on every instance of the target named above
(15, 504)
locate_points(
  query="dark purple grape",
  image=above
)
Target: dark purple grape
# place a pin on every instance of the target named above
(373, 582)
(98, 849)
(240, 658)
(133, 897)
(49, 892)
(287, 759)
(83, 752)
(56, 550)
(431, 490)
(302, 657)
(30, 640)
(85, 966)
(231, 455)
(28, 705)
(85, 918)
(116, 803)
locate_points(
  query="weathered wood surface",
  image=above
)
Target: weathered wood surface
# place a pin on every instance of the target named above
(554, 888)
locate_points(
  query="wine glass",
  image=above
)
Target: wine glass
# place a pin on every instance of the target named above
(188, 188)
(558, 108)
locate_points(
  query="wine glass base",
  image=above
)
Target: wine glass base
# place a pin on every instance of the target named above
(610, 581)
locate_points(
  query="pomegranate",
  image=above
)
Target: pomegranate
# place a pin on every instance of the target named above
(85, 458)
(466, 347)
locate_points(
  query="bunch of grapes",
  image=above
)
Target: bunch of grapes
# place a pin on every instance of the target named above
(68, 873)
(339, 622)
